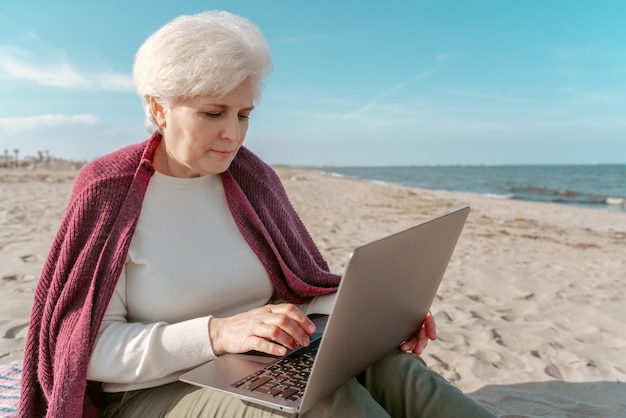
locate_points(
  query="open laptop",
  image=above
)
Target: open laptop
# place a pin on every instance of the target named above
(386, 291)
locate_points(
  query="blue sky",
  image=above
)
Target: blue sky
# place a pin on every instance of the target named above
(354, 82)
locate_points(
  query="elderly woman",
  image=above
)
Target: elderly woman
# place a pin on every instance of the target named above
(180, 248)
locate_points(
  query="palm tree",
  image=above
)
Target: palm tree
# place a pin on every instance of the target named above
(6, 158)
(17, 157)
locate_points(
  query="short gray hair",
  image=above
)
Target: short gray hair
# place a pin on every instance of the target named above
(208, 53)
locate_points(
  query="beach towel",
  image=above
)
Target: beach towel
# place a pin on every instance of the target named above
(10, 382)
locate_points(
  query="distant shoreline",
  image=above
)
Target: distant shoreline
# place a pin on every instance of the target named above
(595, 186)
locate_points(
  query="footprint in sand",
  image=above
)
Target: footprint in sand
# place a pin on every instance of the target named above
(29, 258)
(19, 278)
(12, 332)
(553, 371)
(497, 338)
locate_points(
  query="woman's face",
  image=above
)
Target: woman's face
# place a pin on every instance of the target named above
(202, 135)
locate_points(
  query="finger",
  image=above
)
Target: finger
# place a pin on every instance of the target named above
(422, 342)
(278, 335)
(265, 346)
(293, 322)
(408, 346)
(295, 314)
(430, 326)
(282, 329)
(417, 343)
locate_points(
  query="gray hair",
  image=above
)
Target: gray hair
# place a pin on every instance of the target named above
(210, 53)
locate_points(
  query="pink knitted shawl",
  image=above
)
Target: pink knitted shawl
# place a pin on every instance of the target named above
(90, 249)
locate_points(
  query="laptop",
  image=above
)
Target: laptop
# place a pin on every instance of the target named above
(386, 291)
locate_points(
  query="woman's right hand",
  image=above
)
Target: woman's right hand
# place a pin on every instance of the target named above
(270, 329)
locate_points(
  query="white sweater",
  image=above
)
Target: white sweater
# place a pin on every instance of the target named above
(187, 262)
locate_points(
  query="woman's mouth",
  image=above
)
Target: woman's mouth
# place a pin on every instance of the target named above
(223, 153)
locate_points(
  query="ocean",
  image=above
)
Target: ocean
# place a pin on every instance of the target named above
(597, 186)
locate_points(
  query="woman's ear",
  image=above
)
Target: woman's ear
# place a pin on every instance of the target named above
(158, 112)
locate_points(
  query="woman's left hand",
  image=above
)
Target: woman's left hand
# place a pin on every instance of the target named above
(417, 343)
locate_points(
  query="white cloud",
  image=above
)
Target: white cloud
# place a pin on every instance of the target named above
(18, 64)
(32, 123)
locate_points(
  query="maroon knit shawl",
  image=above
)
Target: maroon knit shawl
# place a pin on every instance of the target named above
(90, 249)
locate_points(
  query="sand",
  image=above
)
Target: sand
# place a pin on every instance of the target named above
(530, 314)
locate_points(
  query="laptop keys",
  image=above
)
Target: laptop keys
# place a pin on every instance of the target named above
(285, 379)
(256, 383)
(287, 393)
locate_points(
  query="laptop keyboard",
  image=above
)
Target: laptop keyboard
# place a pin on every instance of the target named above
(285, 378)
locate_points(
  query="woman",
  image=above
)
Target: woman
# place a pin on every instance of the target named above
(178, 249)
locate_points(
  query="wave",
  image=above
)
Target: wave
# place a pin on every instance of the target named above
(333, 174)
(618, 202)
(499, 196)
(567, 196)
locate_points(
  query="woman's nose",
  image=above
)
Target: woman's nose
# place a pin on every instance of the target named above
(233, 130)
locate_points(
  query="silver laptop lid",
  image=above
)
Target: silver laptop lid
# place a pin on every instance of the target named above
(387, 290)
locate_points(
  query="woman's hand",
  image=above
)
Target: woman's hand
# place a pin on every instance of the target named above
(419, 341)
(268, 329)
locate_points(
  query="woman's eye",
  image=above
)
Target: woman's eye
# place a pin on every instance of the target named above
(213, 114)
(244, 116)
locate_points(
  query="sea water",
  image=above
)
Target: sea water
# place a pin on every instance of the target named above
(599, 186)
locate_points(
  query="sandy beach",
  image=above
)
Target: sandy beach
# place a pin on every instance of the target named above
(530, 315)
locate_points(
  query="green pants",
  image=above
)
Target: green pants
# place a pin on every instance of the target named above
(398, 385)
